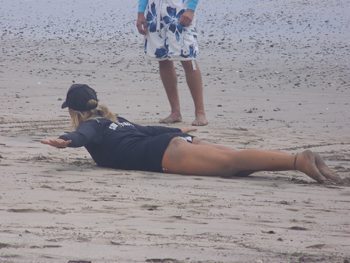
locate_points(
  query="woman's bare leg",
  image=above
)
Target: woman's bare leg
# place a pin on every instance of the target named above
(169, 80)
(185, 158)
(196, 140)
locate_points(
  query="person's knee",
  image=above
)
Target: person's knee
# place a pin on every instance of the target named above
(187, 65)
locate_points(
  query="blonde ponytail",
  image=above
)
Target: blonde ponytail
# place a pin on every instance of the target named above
(101, 111)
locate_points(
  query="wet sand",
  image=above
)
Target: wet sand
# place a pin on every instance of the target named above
(276, 76)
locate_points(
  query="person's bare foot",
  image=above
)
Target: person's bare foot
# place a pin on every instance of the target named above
(172, 118)
(326, 171)
(305, 162)
(313, 165)
(200, 120)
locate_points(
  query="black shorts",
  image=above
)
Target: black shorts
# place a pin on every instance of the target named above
(147, 154)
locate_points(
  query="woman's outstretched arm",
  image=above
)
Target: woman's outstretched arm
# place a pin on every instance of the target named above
(81, 137)
(56, 142)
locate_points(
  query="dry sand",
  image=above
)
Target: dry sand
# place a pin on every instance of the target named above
(276, 76)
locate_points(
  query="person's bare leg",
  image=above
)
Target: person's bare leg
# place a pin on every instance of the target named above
(200, 159)
(195, 84)
(196, 140)
(169, 80)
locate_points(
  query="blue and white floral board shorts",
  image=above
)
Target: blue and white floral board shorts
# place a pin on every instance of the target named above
(167, 39)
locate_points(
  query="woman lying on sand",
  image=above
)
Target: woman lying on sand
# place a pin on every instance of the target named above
(117, 143)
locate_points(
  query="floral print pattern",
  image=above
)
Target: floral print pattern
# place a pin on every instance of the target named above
(172, 21)
(191, 54)
(167, 38)
(151, 18)
(162, 52)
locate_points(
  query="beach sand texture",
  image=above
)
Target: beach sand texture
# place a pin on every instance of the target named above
(276, 76)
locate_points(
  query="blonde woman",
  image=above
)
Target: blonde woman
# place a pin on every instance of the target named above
(117, 143)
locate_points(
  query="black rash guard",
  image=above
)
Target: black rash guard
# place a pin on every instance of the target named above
(122, 144)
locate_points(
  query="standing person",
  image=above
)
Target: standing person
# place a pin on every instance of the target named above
(170, 35)
(117, 143)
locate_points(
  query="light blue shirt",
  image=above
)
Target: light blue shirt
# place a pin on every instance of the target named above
(191, 4)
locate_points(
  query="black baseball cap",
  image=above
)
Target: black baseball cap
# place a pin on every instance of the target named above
(79, 98)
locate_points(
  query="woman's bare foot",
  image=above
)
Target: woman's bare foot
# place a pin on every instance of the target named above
(326, 171)
(172, 118)
(200, 120)
(305, 162)
(313, 165)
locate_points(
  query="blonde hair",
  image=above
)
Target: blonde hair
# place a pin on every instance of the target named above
(101, 111)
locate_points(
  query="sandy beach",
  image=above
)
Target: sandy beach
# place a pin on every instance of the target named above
(276, 76)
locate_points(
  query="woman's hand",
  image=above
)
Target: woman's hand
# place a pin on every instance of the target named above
(188, 129)
(186, 18)
(141, 23)
(56, 142)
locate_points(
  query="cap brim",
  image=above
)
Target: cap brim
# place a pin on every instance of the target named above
(64, 105)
